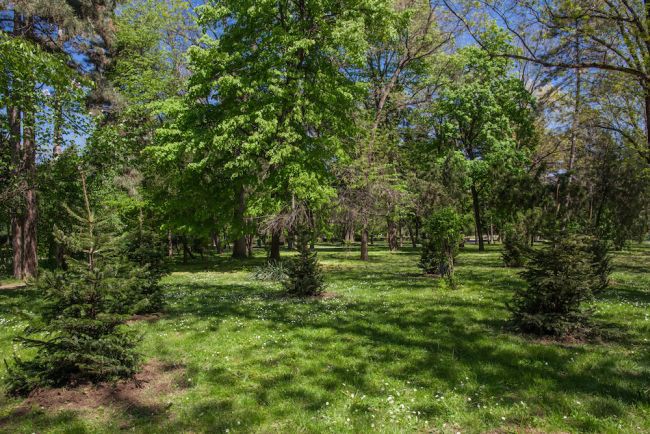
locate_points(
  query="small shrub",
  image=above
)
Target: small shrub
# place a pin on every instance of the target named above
(515, 246)
(304, 274)
(562, 277)
(443, 231)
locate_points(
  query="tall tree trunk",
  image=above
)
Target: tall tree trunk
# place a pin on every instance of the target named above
(574, 129)
(392, 234)
(274, 253)
(239, 248)
(249, 245)
(216, 242)
(24, 159)
(58, 125)
(414, 241)
(646, 89)
(17, 214)
(349, 232)
(477, 218)
(364, 244)
(170, 244)
(17, 245)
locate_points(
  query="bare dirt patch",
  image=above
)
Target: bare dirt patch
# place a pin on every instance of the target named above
(149, 317)
(141, 394)
(12, 286)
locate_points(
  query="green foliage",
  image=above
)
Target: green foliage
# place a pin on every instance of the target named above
(80, 334)
(444, 232)
(304, 274)
(561, 279)
(515, 245)
(144, 247)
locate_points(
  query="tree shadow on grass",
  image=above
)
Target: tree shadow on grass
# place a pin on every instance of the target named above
(448, 340)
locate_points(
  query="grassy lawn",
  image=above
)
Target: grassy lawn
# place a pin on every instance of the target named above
(392, 352)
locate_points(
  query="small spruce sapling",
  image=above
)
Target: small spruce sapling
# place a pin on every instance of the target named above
(79, 336)
(304, 274)
(561, 279)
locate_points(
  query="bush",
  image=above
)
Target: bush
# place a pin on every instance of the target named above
(443, 231)
(304, 274)
(79, 336)
(515, 246)
(562, 277)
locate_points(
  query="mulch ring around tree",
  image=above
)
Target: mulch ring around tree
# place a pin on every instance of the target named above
(147, 317)
(144, 394)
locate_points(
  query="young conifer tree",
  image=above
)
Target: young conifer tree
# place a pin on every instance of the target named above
(562, 279)
(304, 274)
(79, 335)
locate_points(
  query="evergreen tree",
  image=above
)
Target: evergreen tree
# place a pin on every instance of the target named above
(562, 277)
(79, 336)
(304, 275)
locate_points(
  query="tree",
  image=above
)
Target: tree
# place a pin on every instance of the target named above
(304, 275)
(404, 40)
(611, 37)
(269, 103)
(487, 115)
(562, 277)
(37, 53)
(79, 336)
(444, 232)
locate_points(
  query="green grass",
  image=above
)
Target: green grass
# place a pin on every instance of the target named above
(394, 352)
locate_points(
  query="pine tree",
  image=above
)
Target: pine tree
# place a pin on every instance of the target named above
(304, 275)
(79, 336)
(562, 277)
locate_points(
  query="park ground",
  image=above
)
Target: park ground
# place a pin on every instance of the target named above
(386, 350)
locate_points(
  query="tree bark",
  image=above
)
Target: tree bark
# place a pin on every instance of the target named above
(249, 245)
(392, 235)
(647, 119)
(414, 241)
(216, 242)
(239, 248)
(17, 245)
(364, 244)
(274, 253)
(349, 233)
(477, 218)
